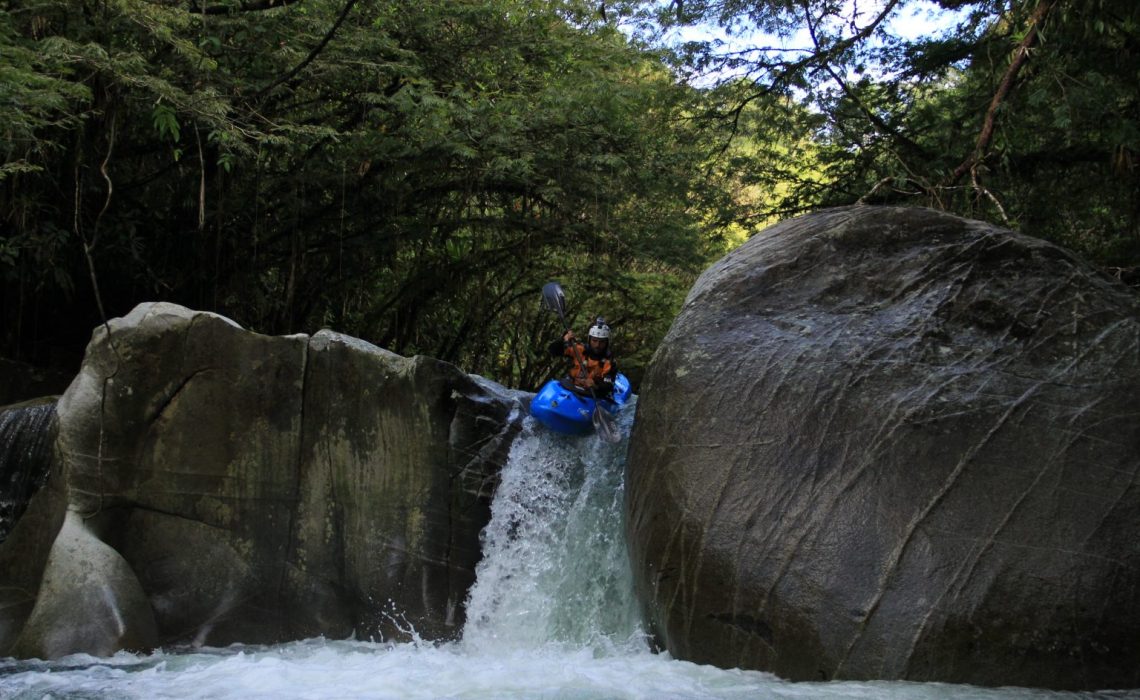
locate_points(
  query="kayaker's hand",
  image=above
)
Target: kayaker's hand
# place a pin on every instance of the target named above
(569, 337)
(589, 382)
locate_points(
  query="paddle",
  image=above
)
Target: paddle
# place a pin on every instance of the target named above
(555, 300)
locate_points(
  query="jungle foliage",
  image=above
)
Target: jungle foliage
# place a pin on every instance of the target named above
(1025, 113)
(406, 172)
(411, 173)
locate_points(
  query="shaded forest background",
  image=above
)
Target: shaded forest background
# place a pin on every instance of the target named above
(411, 173)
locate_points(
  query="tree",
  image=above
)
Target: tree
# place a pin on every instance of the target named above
(1022, 113)
(408, 173)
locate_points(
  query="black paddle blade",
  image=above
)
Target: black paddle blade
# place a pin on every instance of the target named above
(555, 300)
(554, 297)
(604, 426)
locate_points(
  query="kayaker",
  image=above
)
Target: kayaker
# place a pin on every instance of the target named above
(592, 363)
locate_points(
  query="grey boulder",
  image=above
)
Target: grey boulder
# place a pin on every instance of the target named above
(214, 485)
(890, 443)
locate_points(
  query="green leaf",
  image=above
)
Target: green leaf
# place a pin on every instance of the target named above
(165, 122)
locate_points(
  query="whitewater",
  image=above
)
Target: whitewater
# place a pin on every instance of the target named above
(552, 615)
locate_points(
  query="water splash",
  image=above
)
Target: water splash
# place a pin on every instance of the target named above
(552, 616)
(555, 568)
(27, 433)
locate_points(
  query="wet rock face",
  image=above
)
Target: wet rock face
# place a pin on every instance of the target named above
(884, 443)
(248, 488)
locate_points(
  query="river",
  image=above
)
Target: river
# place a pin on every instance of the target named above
(552, 616)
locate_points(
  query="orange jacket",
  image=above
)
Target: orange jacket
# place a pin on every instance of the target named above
(599, 368)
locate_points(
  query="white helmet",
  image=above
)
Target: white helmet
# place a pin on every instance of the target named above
(600, 329)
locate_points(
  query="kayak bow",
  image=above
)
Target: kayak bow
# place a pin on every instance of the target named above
(565, 411)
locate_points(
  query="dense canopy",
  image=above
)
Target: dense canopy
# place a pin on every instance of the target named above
(1021, 112)
(411, 173)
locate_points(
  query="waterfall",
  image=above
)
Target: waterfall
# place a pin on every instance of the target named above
(555, 568)
(552, 615)
(27, 433)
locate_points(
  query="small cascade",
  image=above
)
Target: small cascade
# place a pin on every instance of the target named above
(27, 433)
(552, 615)
(555, 569)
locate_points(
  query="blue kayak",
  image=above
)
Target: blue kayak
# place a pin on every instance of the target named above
(565, 411)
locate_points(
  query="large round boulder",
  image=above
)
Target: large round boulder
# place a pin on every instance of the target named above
(213, 485)
(890, 443)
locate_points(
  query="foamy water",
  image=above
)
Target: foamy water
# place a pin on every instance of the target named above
(551, 616)
(322, 669)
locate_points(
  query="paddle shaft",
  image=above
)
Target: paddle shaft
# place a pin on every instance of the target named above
(556, 300)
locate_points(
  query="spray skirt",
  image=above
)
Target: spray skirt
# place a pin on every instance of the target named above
(564, 410)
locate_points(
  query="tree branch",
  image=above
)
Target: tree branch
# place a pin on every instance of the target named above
(859, 35)
(878, 122)
(1020, 57)
(314, 53)
(89, 246)
(782, 71)
(255, 6)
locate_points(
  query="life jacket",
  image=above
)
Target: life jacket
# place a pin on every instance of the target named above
(596, 367)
